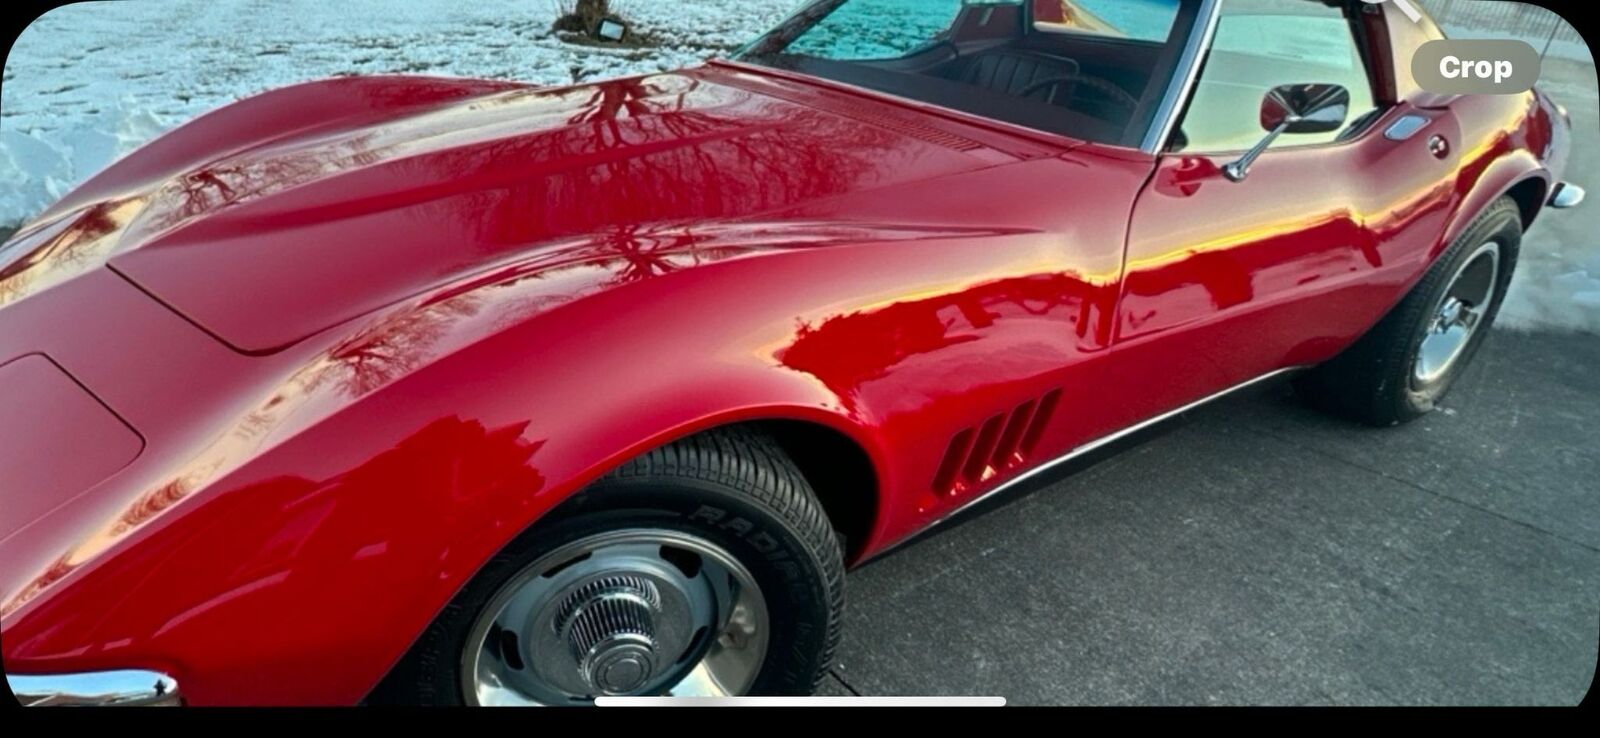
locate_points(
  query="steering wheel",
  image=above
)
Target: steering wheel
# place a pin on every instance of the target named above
(1108, 88)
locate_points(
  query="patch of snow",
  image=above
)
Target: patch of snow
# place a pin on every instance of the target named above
(89, 82)
(1545, 296)
(37, 168)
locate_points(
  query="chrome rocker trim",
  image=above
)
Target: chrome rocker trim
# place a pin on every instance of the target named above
(129, 687)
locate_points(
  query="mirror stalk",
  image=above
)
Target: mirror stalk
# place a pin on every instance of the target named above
(1238, 170)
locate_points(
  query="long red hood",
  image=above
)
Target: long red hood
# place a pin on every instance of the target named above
(329, 200)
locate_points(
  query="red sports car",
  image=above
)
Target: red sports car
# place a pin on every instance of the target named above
(438, 390)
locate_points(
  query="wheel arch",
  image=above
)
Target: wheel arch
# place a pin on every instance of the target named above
(1518, 176)
(1530, 195)
(841, 473)
(837, 457)
(834, 457)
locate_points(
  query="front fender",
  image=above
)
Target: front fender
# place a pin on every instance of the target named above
(362, 492)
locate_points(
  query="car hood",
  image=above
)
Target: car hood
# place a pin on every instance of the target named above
(267, 243)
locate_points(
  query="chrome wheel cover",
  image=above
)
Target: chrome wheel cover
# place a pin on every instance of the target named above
(627, 612)
(1457, 316)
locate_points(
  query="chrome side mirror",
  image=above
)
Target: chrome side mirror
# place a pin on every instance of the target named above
(1307, 108)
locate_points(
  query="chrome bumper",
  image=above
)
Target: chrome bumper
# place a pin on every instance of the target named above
(1567, 195)
(100, 688)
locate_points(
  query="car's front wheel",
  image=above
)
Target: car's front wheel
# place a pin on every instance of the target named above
(703, 568)
(1406, 364)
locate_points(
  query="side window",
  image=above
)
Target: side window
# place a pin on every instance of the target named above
(1259, 45)
(862, 30)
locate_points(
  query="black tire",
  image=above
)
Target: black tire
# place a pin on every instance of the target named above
(1374, 381)
(733, 487)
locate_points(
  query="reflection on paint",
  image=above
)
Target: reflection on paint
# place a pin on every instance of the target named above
(78, 244)
(848, 351)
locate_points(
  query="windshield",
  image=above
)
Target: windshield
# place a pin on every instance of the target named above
(1089, 69)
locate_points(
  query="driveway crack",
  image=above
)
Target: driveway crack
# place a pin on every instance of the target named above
(840, 679)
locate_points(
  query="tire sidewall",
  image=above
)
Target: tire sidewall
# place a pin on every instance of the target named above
(1502, 226)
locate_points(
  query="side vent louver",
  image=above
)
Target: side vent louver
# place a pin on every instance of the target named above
(1004, 441)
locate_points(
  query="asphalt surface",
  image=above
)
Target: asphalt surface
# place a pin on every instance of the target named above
(1255, 552)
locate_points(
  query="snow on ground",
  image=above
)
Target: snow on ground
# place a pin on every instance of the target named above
(89, 82)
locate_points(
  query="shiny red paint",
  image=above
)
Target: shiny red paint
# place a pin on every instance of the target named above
(346, 340)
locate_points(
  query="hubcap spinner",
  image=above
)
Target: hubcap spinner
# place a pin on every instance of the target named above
(609, 625)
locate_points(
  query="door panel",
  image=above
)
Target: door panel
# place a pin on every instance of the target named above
(1227, 281)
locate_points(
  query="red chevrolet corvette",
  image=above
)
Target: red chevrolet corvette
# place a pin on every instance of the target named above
(407, 389)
